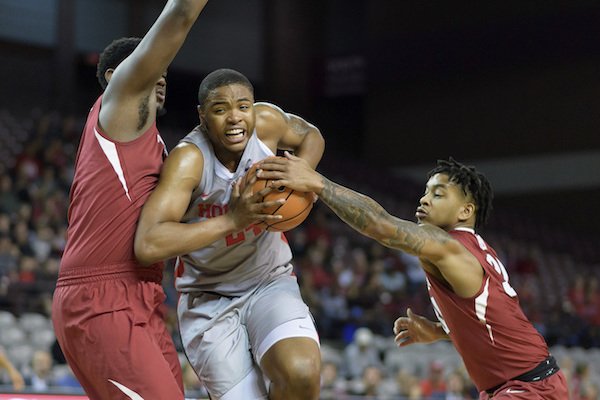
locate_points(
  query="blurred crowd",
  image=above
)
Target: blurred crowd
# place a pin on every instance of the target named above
(355, 287)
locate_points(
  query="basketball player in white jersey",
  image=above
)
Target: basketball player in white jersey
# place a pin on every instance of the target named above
(245, 328)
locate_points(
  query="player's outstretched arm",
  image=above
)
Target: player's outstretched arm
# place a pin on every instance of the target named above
(127, 97)
(357, 210)
(417, 329)
(160, 234)
(445, 257)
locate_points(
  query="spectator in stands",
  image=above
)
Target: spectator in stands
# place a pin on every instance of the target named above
(361, 353)
(9, 256)
(13, 374)
(40, 379)
(407, 384)
(582, 385)
(576, 293)
(370, 384)
(332, 385)
(9, 202)
(434, 385)
(456, 389)
(66, 380)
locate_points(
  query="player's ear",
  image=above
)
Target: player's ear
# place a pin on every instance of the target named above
(467, 211)
(108, 74)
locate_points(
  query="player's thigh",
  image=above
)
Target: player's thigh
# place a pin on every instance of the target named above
(215, 341)
(272, 306)
(121, 359)
(281, 329)
(163, 338)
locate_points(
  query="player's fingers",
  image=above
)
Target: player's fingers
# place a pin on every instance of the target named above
(273, 203)
(270, 173)
(273, 159)
(403, 339)
(290, 156)
(269, 217)
(401, 323)
(273, 163)
(248, 186)
(236, 188)
(278, 183)
(265, 191)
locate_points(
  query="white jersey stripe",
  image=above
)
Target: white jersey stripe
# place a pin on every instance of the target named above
(481, 303)
(128, 392)
(110, 150)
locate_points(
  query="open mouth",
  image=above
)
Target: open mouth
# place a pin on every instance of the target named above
(235, 135)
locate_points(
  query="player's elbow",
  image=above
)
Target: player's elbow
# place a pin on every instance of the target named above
(145, 252)
(377, 233)
(188, 10)
(318, 141)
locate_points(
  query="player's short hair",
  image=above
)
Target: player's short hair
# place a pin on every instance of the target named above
(471, 182)
(218, 78)
(113, 55)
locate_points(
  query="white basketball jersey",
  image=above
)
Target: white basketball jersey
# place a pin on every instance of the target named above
(237, 263)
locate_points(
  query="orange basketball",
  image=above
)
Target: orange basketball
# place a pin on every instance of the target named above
(293, 212)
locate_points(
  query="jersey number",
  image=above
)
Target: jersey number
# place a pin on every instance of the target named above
(237, 237)
(499, 267)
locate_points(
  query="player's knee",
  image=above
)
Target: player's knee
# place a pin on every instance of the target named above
(302, 374)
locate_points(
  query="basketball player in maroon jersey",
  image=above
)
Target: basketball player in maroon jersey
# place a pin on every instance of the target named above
(477, 308)
(107, 308)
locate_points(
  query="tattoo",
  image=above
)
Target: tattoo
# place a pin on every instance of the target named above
(298, 126)
(143, 112)
(366, 216)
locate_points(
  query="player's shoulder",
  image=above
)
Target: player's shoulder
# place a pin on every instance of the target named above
(268, 113)
(185, 155)
(267, 108)
(271, 121)
(186, 150)
(184, 162)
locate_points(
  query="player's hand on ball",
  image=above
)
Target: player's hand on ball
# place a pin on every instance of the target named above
(290, 171)
(247, 207)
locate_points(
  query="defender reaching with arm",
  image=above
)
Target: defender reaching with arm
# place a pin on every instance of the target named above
(468, 285)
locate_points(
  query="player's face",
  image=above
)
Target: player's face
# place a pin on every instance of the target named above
(443, 203)
(228, 117)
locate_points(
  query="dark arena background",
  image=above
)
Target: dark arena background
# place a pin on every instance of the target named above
(511, 87)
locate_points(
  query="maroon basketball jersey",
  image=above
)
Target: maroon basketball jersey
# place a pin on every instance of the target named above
(489, 330)
(111, 183)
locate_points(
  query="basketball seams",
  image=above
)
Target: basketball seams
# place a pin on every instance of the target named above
(308, 207)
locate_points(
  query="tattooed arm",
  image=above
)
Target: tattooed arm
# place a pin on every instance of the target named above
(439, 253)
(369, 218)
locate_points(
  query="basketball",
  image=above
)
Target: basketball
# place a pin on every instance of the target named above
(293, 212)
